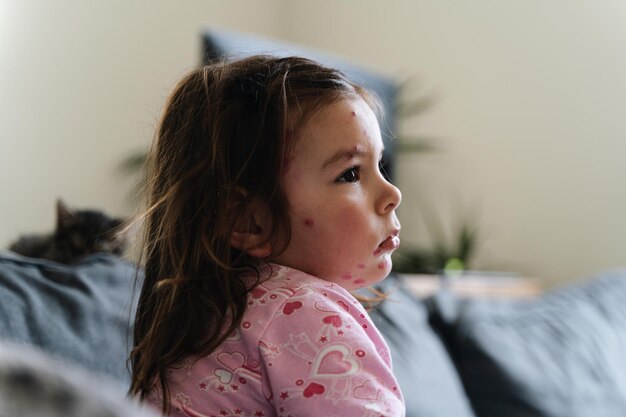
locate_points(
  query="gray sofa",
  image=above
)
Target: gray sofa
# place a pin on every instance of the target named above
(562, 354)
(559, 355)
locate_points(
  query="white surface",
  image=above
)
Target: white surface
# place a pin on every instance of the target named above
(530, 114)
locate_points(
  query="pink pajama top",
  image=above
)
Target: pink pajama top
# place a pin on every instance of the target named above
(305, 347)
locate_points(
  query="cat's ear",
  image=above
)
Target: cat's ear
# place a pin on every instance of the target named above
(251, 226)
(65, 215)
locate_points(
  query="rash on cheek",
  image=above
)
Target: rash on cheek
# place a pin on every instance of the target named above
(309, 222)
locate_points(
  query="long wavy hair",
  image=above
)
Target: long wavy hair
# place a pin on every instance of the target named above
(227, 127)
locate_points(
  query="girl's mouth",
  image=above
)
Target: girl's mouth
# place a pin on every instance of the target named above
(389, 244)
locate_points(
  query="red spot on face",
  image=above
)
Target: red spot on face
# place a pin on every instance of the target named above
(359, 281)
(347, 276)
(353, 113)
(309, 222)
(361, 266)
(382, 265)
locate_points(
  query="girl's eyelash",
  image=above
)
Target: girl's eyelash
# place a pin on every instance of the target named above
(350, 175)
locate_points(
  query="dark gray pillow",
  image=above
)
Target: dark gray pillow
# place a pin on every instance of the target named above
(560, 355)
(34, 385)
(78, 312)
(426, 374)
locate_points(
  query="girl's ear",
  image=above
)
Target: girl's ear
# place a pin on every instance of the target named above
(252, 229)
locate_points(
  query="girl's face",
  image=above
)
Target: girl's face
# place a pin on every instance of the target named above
(342, 210)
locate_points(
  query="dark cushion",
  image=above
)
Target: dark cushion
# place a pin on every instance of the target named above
(78, 312)
(426, 374)
(34, 385)
(560, 355)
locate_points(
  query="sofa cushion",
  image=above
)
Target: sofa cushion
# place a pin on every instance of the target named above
(429, 382)
(560, 355)
(32, 384)
(78, 312)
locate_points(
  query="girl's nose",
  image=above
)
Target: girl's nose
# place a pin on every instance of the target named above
(390, 198)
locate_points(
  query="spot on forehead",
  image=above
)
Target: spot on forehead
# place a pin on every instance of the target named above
(309, 222)
(356, 149)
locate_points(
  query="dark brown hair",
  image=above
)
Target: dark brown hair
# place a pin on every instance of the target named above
(226, 127)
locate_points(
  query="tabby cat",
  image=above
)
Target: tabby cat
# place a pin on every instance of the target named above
(78, 233)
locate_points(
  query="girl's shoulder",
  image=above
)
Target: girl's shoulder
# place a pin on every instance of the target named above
(293, 294)
(285, 281)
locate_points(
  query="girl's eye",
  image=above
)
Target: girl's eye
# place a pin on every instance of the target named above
(351, 175)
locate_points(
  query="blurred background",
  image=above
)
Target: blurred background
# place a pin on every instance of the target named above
(527, 116)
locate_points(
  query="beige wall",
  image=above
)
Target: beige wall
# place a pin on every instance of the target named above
(529, 112)
(81, 85)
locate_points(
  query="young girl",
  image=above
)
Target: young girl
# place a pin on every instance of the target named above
(266, 207)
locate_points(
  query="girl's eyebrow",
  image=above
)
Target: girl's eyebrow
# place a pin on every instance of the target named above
(344, 154)
(347, 154)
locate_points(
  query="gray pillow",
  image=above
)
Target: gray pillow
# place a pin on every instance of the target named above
(79, 312)
(425, 372)
(32, 384)
(560, 355)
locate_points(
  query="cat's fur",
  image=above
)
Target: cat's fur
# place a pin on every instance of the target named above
(78, 233)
